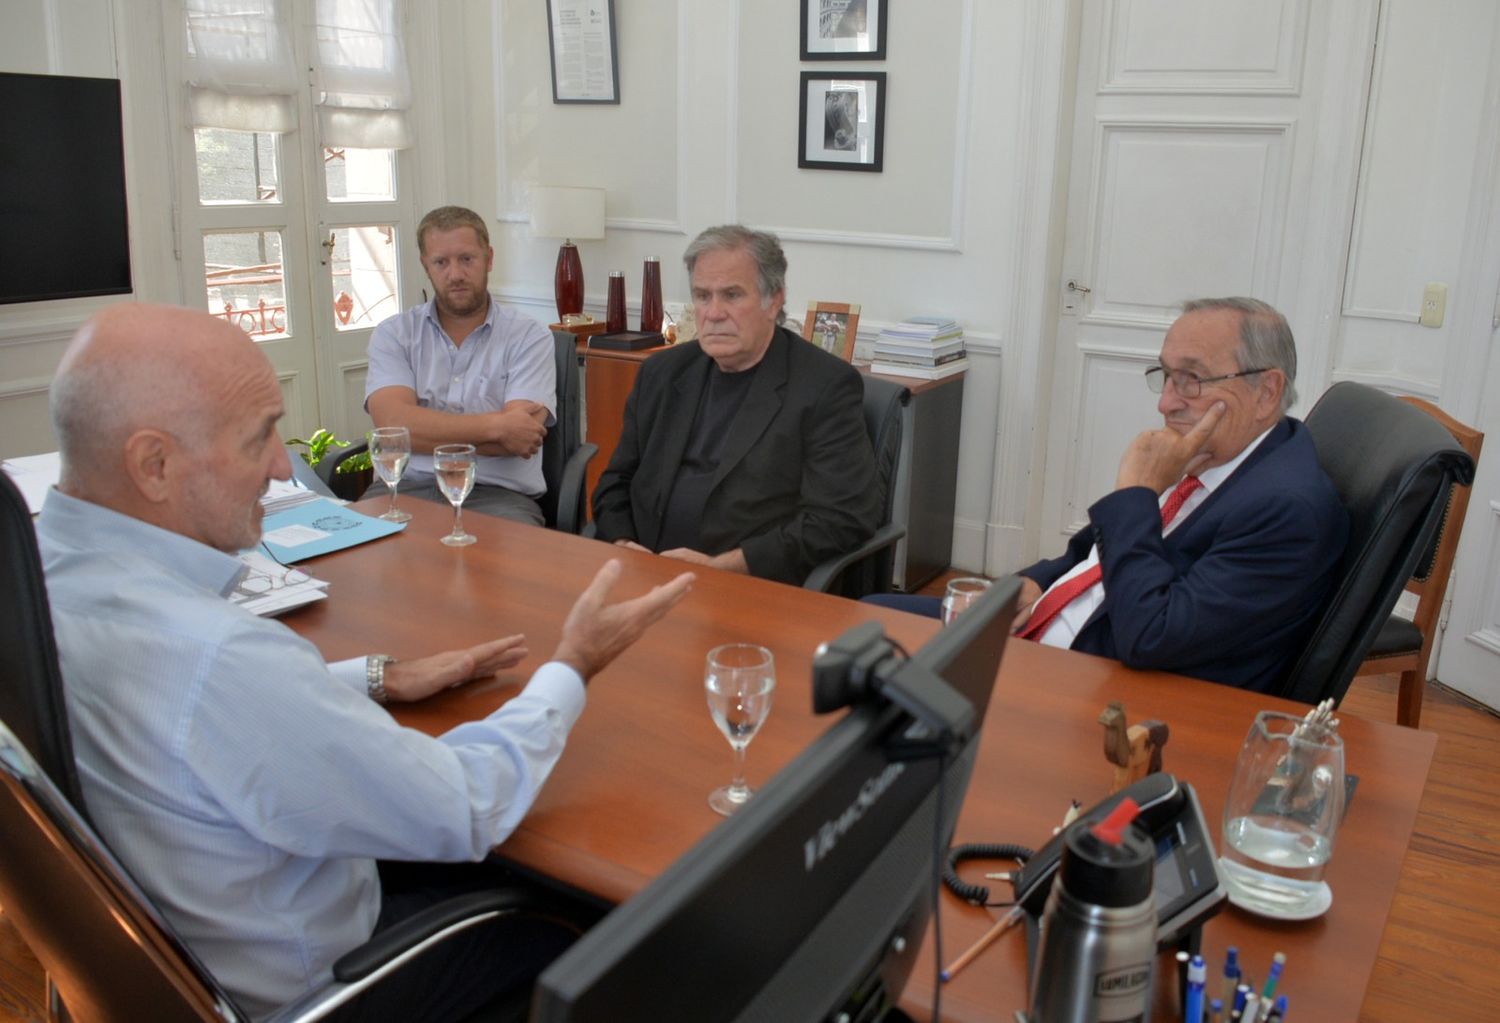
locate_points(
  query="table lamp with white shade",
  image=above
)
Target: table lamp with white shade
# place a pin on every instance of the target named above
(569, 214)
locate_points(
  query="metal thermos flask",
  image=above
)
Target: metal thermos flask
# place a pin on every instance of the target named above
(1098, 942)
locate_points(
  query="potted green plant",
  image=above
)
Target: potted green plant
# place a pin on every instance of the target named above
(351, 477)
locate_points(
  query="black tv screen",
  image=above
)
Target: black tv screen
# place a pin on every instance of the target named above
(63, 228)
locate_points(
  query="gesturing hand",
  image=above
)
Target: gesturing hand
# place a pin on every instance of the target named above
(412, 680)
(1159, 458)
(595, 633)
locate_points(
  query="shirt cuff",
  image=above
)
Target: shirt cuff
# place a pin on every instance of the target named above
(561, 686)
(351, 673)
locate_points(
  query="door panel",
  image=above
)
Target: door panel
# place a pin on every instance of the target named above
(1185, 173)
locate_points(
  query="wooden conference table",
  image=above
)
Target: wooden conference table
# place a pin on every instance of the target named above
(630, 794)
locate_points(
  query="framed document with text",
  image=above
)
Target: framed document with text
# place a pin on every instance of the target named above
(585, 62)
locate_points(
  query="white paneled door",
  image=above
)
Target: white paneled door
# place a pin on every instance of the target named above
(1191, 175)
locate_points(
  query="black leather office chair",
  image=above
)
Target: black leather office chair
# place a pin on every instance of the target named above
(1393, 467)
(108, 954)
(31, 698)
(867, 569)
(565, 455)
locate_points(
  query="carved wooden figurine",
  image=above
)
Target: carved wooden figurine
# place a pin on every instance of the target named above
(1134, 750)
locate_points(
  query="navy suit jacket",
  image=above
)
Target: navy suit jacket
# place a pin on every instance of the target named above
(1231, 594)
(796, 482)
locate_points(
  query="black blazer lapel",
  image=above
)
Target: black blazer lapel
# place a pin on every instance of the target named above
(675, 414)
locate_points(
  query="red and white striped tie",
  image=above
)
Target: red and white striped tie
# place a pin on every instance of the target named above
(1059, 597)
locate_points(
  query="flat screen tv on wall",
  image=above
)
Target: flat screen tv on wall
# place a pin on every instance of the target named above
(63, 229)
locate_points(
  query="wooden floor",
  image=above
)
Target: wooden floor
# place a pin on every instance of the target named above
(1440, 959)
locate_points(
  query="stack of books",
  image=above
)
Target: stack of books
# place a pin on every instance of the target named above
(929, 347)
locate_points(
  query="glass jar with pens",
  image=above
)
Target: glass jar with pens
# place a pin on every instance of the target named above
(1282, 813)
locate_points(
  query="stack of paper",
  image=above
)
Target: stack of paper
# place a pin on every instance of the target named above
(33, 476)
(284, 494)
(269, 589)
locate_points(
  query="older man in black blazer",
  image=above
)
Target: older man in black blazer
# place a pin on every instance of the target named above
(746, 449)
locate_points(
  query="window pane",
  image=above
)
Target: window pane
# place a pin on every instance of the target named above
(364, 275)
(236, 166)
(360, 175)
(243, 273)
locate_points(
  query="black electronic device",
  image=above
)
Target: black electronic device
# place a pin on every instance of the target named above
(63, 226)
(1186, 876)
(812, 900)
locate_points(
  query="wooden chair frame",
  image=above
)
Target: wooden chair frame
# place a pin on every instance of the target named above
(1430, 584)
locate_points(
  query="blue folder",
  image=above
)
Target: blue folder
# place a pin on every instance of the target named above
(337, 527)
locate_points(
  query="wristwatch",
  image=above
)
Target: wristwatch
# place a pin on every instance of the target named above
(375, 676)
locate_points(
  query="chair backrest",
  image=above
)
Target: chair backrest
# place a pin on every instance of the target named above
(31, 698)
(97, 936)
(1430, 580)
(567, 433)
(883, 404)
(99, 939)
(1392, 466)
(884, 401)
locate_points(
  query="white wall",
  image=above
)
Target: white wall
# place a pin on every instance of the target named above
(92, 39)
(963, 220)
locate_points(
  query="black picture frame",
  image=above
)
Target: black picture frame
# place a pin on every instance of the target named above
(842, 30)
(576, 80)
(841, 121)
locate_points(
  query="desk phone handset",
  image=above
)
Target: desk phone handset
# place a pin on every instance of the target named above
(1186, 876)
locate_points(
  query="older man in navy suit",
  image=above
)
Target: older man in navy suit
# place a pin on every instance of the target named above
(1212, 556)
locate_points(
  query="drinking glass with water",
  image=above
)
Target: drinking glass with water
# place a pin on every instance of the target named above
(1284, 807)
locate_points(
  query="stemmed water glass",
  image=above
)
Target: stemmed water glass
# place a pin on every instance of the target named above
(453, 464)
(739, 681)
(390, 450)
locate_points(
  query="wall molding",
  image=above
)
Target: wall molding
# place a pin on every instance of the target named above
(25, 387)
(1164, 82)
(952, 241)
(1392, 383)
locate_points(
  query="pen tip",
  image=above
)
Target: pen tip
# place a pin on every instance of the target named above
(945, 976)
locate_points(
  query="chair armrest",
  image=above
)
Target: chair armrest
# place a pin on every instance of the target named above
(330, 462)
(821, 579)
(570, 495)
(361, 968)
(439, 921)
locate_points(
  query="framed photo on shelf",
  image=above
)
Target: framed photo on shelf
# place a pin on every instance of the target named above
(841, 125)
(832, 326)
(585, 60)
(843, 29)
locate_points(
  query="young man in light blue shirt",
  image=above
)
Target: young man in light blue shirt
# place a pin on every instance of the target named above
(461, 369)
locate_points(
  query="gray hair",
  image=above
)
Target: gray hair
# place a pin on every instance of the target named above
(96, 403)
(1265, 339)
(763, 247)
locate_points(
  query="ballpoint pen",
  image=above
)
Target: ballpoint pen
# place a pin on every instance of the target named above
(1278, 963)
(1231, 974)
(1197, 973)
(979, 946)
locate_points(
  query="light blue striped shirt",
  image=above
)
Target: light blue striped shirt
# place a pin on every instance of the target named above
(247, 787)
(509, 357)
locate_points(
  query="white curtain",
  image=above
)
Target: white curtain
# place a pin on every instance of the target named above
(363, 91)
(240, 70)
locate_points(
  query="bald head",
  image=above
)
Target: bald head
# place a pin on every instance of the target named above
(141, 385)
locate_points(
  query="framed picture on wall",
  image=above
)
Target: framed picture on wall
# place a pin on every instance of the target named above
(585, 61)
(842, 121)
(843, 29)
(832, 326)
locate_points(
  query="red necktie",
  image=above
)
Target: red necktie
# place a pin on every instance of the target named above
(1059, 597)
